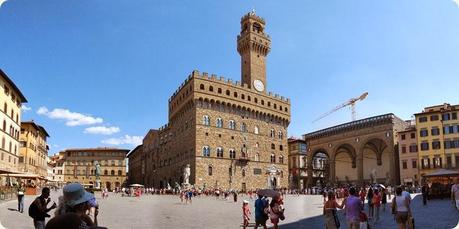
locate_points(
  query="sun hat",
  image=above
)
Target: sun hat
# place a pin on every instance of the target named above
(245, 201)
(74, 194)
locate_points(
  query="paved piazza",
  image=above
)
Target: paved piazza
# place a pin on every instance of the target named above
(207, 212)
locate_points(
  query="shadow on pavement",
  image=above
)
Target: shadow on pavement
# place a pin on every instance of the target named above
(13, 209)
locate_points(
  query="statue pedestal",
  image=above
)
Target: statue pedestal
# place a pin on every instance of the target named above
(186, 186)
(97, 185)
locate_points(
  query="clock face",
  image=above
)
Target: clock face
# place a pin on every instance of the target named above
(259, 86)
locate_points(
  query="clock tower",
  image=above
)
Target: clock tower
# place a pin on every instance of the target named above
(253, 45)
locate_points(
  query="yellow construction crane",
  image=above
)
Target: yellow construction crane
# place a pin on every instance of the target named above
(350, 102)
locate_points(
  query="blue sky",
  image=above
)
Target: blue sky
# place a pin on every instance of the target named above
(98, 67)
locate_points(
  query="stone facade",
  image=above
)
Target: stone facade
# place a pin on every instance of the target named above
(232, 134)
(408, 148)
(136, 160)
(358, 152)
(438, 138)
(34, 149)
(11, 100)
(80, 166)
(297, 163)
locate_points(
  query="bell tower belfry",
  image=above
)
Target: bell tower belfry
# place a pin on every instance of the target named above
(253, 45)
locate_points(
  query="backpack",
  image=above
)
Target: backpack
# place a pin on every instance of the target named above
(33, 209)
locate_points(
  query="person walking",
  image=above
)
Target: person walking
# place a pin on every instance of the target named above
(235, 196)
(425, 193)
(370, 202)
(352, 206)
(384, 199)
(330, 212)
(401, 208)
(245, 213)
(275, 211)
(376, 204)
(455, 193)
(20, 193)
(38, 209)
(260, 215)
(362, 195)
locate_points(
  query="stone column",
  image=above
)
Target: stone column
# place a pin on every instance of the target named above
(332, 171)
(359, 161)
(309, 164)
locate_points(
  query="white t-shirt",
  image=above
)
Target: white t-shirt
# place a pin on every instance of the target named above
(455, 190)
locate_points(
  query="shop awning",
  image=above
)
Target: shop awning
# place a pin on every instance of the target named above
(443, 173)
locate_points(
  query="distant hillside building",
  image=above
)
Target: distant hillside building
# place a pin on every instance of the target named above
(233, 135)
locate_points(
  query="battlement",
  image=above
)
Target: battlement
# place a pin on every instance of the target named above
(253, 16)
(204, 75)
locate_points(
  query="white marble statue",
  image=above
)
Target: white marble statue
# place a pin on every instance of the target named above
(186, 174)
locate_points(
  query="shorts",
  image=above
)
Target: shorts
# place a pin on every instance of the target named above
(401, 217)
(275, 221)
(261, 221)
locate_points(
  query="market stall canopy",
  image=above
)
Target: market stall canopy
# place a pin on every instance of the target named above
(443, 173)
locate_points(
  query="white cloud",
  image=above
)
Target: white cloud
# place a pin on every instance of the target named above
(457, 2)
(102, 130)
(71, 118)
(25, 108)
(125, 140)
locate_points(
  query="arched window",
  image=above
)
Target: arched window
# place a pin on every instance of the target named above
(255, 100)
(273, 146)
(219, 152)
(5, 108)
(3, 143)
(256, 131)
(286, 109)
(249, 98)
(269, 104)
(273, 158)
(232, 124)
(219, 90)
(243, 127)
(280, 108)
(210, 170)
(275, 106)
(10, 147)
(201, 86)
(280, 134)
(262, 102)
(120, 173)
(232, 153)
(242, 96)
(235, 94)
(112, 173)
(219, 122)
(206, 151)
(105, 172)
(281, 147)
(272, 133)
(211, 88)
(281, 159)
(243, 172)
(4, 125)
(257, 157)
(206, 120)
(228, 92)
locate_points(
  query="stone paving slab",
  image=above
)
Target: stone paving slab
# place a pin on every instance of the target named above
(207, 212)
